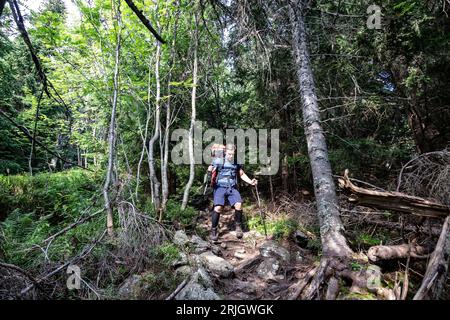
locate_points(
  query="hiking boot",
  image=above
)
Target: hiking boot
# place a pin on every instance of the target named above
(214, 234)
(239, 233)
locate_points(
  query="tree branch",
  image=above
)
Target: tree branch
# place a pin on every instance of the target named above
(144, 20)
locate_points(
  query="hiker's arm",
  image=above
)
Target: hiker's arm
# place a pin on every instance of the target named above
(244, 177)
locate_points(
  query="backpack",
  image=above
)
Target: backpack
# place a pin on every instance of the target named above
(229, 173)
(217, 151)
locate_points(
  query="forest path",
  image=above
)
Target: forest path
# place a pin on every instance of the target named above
(263, 268)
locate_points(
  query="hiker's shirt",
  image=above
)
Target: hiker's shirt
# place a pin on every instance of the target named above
(227, 174)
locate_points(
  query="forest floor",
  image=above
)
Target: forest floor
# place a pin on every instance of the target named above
(264, 268)
(270, 268)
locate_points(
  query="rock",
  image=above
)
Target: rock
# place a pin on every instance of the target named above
(181, 261)
(137, 285)
(180, 238)
(216, 250)
(183, 271)
(203, 277)
(195, 260)
(272, 249)
(216, 265)
(195, 291)
(252, 234)
(240, 254)
(130, 288)
(198, 288)
(199, 244)
(223, 245)
(268, 269)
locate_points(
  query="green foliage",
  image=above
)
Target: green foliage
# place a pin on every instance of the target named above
(37, 207)
(60, 195)
(281, 227)
(168, 252)
(175, 214)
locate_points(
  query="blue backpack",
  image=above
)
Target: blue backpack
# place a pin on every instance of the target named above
(225, 174)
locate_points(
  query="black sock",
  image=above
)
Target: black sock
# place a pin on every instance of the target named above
(215, 218)
(238, 216)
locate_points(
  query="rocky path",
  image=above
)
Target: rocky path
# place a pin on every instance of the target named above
(238, 269)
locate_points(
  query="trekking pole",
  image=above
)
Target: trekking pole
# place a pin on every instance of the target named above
(205, 183)
(263, 216)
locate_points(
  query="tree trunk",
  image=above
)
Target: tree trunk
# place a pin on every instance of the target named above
(154, 183)
(165, 160)
(33, 146)
(193, 116)
(333, 241)
(435, 277)
(144, 136)
(112, 130)
(284, 175)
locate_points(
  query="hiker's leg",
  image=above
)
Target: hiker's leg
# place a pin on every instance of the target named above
(219, 200)
(236, 201)
(238, 213)
(215, 216)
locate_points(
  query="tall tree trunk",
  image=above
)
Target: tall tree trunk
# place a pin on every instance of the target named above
(154, 182)
(193, 117)
(145, 135)
(284, 175)
(165, 151)
(33, 146)
(333, 241)
(112, 130)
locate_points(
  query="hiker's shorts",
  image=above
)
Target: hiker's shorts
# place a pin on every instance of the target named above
(226, 193)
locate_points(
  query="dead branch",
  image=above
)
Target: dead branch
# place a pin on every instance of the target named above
(144, 20)
(178, 289)
(25, 273)
(73, 225)
(427, 175)
(393, 200)
(86, 251)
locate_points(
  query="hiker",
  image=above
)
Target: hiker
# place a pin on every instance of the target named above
(224, 172)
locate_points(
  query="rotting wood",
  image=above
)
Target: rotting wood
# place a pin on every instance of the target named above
(402, 251)
(395, 201)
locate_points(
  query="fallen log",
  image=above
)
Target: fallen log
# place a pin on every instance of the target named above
(377, 253)
(395, 201)
(435, 277)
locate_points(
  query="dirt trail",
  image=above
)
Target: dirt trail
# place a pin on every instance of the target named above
(260, 272)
